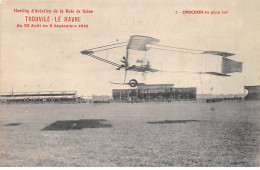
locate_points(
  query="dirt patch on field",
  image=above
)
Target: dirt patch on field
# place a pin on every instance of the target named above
(78, 124)
(13, 124)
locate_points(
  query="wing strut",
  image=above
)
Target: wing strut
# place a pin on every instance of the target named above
(125, 75)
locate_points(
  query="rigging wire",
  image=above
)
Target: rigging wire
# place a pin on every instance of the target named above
(175, 51)
(177, 47)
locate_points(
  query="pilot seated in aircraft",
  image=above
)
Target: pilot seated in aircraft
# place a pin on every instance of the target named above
(125, 63)
(148, 65)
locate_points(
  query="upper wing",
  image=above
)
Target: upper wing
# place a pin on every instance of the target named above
(90, 52)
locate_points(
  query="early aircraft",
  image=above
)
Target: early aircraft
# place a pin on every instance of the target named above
(144, 43)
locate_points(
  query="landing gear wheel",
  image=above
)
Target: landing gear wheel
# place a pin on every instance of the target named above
(133, 83)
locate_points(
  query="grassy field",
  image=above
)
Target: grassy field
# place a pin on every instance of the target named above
(144, 134)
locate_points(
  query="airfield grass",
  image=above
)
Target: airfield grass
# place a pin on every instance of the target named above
(144, 134)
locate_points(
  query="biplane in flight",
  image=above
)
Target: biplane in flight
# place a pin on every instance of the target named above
(144, 44)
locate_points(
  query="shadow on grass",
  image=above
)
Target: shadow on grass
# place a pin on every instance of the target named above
(13, 124)
(173, 121)
(77, 124)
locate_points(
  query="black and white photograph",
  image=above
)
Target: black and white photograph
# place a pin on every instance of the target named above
(127, 83)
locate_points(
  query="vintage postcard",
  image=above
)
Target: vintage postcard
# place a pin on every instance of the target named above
(127, 83)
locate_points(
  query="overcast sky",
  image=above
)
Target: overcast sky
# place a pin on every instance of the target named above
(49, 59)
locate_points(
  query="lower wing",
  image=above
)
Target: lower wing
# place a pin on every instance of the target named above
(188, 72)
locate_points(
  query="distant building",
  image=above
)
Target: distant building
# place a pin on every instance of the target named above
(39, 97)
(220, 97)
(253, 92)
(154, 92)
(101, 99)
